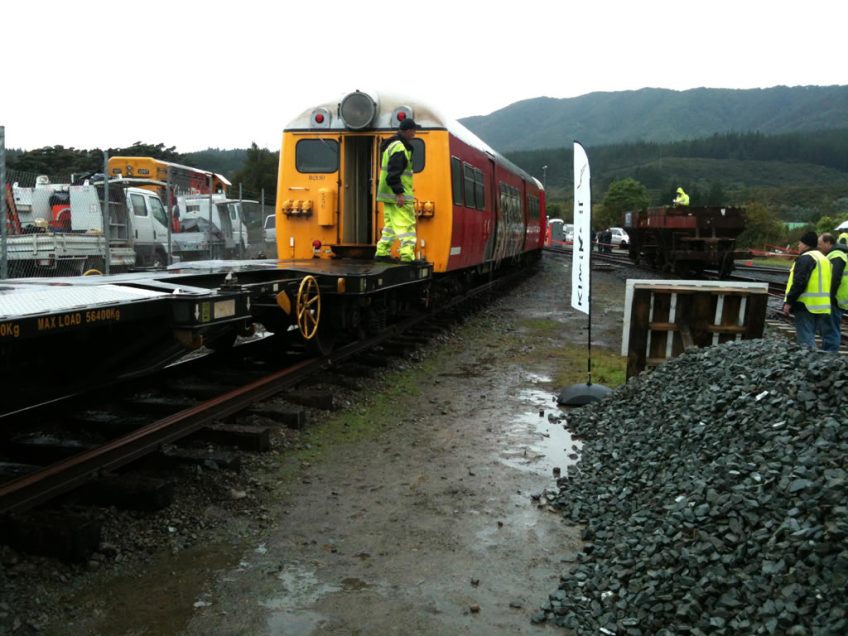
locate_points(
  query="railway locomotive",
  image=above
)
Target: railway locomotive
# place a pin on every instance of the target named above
(478, 215)
(686, 240)
(476, 211)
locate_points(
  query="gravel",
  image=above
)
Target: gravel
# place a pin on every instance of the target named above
(712, 492)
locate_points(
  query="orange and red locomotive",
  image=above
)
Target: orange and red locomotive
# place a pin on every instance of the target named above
(475, 209)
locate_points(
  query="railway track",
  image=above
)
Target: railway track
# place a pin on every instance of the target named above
(181, 417)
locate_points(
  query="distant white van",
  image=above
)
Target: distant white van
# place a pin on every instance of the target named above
(270, 229)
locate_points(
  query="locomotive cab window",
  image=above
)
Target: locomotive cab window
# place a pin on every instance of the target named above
(418, 155)
(317, 155)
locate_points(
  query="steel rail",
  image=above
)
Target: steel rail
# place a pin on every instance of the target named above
(61, 477)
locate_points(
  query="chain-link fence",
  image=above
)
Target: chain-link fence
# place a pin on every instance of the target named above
(157, 213)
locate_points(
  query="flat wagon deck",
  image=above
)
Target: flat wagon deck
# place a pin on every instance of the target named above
(64, 334)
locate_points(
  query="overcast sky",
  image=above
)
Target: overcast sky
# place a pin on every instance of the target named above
(225, 74)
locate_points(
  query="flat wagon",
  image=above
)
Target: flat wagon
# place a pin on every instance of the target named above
(686, 240)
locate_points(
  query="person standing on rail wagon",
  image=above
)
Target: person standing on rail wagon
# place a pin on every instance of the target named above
(395, 191)
(837, 254)
(808, 294)
(682, 199)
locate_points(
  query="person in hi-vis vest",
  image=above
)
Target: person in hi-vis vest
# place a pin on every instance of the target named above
(837, 254)
(394, 190)
(808, 295)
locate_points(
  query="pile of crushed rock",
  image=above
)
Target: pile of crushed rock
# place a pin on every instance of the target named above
(713, 495)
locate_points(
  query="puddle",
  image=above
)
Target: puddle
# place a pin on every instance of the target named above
(352, 584)
(300, 622)
(299, 588)
(175, 586)
(535, 378)
(535, 444)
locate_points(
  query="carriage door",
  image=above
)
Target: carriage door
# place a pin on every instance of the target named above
(493, 212)
(358, 185)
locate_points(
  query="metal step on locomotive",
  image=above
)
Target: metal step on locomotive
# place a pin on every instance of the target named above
(478, 215)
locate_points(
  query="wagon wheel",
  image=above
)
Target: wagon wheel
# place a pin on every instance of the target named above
(308, 307)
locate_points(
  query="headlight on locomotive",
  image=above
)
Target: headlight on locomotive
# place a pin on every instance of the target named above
(358, 110)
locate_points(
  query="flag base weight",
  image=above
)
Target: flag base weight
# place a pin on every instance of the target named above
(582, 394)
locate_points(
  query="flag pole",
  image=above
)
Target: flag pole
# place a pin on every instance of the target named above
(581, 273)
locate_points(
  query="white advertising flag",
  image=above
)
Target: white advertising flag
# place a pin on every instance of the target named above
(582, 248)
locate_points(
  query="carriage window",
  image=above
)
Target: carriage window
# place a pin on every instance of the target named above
(419, 155)
(534, 208)
(479, 189)
(468, 172)
(456, 180)
(317, 155)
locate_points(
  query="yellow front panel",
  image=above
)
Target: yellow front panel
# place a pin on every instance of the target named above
(310, 206)
(298, 197)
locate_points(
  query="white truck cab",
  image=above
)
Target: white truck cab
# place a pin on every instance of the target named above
(150, 227)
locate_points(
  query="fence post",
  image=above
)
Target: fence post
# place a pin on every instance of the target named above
(4, 265)
(107, 215)
(209, 229)
(169, 214)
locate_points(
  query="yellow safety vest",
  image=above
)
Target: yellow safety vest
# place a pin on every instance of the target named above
(842, 238)
(384, 191)
(842, 291)
(816, 297)
(682, 199)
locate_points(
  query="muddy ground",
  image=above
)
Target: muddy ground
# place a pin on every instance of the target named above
(411, 511)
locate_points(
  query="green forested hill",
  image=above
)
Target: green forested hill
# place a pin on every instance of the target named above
(801, 176)
(659, 115)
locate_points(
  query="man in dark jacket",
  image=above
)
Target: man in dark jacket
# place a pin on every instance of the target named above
(808, 295)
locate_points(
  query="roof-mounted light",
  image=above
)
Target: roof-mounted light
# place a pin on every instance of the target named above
(358, 110)
(321, 118)
(400, 113)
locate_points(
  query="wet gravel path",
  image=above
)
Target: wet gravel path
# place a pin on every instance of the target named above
(420, 508)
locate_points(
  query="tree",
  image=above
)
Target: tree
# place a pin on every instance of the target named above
(141, 149)
(762, 227)
(554, 211)
(258, 173)
(716, 196)
(826, 224)
(623, 195)
(60, 162)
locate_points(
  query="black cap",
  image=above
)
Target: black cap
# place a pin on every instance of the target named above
(811, 239)
(409, 124)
